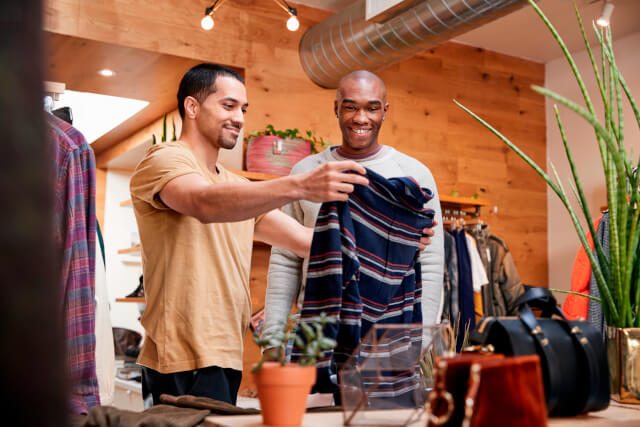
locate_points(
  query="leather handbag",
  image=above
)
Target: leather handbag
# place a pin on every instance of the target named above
(478, 390)
(572, 353)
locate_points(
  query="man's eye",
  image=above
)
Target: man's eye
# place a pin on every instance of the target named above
(372, 109)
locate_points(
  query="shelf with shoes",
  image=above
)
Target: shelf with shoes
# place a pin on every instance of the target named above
(137, 295)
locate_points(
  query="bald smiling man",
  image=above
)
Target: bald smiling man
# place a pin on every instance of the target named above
(360, 107)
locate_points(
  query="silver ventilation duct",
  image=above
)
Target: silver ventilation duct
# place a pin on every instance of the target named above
(347, 41)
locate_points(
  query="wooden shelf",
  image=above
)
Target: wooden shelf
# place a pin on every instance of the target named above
(468, 205)
(136, 248)
(132, 299)
(448, 223)
(464, 202)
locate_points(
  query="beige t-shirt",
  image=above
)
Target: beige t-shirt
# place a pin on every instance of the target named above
(196, 276)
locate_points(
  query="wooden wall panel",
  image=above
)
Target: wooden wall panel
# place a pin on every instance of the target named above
(101, 187)
(423, 120)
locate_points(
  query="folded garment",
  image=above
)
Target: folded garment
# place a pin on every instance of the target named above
(215, 406)
(158, 416)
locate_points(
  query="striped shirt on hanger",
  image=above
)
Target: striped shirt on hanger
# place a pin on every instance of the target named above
(364, 269)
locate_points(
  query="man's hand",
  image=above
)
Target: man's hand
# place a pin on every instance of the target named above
(427, 234)
(331, 181)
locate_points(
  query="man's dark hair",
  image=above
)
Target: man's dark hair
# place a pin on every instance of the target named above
(199, 82)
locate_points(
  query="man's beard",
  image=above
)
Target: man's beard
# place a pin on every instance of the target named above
(227, 142)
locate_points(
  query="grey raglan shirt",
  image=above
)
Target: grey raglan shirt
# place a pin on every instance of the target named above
(287, 272)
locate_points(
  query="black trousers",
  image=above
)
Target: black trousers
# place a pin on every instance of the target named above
(213, 382)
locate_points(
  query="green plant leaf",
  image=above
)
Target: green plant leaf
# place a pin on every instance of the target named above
(602, 258)
(562, 291)
(173, 123)
(298, 341)
(307, 331)
(164, 129)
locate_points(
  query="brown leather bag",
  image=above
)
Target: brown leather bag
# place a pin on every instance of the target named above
(487, 390)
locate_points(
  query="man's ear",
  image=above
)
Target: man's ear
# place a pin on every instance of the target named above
(191, 107)
(335, 107)
(386, 110)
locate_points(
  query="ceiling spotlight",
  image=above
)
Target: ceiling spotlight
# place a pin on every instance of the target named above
(106, 72)
(605, 17)
(292, 23)
(207, 22)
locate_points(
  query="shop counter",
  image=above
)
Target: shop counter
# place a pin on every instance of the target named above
(616, 415)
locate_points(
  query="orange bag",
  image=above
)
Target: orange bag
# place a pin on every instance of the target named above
(487, 390)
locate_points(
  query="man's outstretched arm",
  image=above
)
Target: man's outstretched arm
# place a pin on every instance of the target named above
(193, 195)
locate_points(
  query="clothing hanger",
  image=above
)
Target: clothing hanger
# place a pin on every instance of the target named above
(64, 113)
(52, 92)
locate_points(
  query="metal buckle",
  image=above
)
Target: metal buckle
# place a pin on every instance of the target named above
(440, 393)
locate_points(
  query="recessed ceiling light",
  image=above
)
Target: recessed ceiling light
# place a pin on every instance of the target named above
(106, 72)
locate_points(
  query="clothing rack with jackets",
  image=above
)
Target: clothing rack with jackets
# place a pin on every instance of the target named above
(480, 278)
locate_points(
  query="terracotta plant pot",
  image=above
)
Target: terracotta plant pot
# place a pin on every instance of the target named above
(275, 155)
(283, 392)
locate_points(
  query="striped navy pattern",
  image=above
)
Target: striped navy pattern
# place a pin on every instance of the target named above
(364, 268)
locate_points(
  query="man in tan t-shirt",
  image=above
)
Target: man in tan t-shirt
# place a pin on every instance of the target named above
(197, 222)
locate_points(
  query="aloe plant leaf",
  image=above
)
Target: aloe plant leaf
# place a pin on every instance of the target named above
(582, 200)
(591, 297)
(590, 52)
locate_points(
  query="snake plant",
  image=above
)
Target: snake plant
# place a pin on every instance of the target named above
(617, 273)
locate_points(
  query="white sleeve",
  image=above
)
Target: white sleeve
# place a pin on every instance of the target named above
(283, 280)
(432, 261)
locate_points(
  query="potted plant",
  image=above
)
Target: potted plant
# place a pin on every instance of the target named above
(283, 387)
(164, 131)
(276, 151)
(618, 272)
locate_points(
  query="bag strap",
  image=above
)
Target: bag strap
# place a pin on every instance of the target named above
(540, 298)
(543, 298)
(471, 399)
(552, 373)
(583, 346)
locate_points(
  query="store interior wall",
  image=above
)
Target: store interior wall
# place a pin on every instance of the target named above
(121, 231)
(563, 240)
